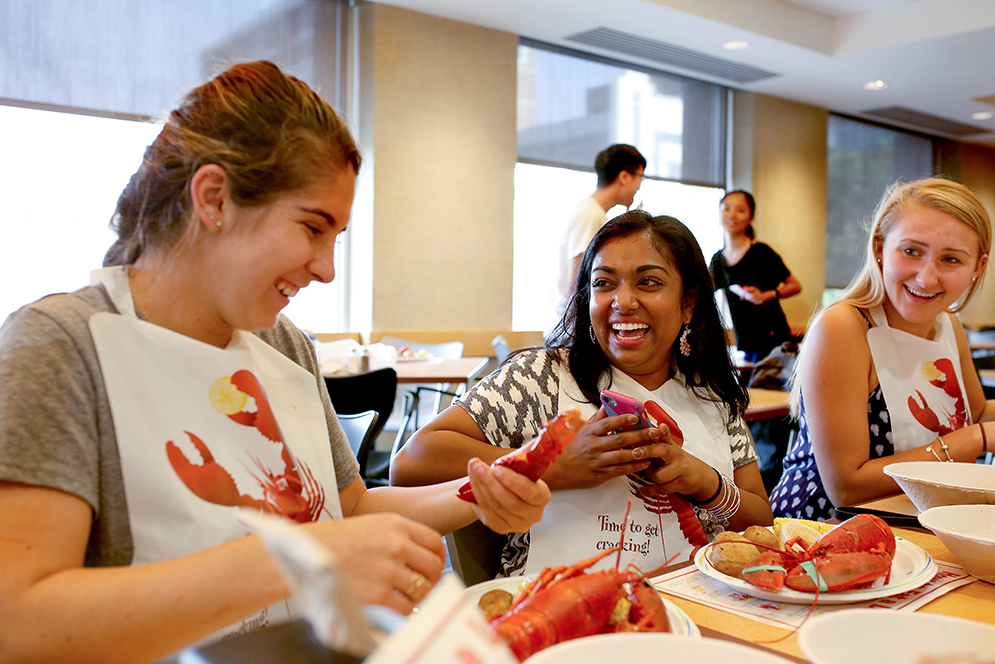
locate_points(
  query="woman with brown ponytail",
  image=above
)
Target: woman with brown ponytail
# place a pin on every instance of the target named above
(140, 413)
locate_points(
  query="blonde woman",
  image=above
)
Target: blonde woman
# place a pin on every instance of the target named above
(885, 374)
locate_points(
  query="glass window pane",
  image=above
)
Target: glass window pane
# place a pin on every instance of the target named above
(64, 173)
(544, 197)
(570, 108)
(864, 160)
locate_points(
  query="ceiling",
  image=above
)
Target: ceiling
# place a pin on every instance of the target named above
(936, 56)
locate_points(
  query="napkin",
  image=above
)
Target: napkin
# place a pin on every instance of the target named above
(320, 593)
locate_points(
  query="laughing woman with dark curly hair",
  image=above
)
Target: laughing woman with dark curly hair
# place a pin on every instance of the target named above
(642, 322)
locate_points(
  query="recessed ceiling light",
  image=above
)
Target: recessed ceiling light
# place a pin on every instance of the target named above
(982, 115)
(735, 44)
(876, 85)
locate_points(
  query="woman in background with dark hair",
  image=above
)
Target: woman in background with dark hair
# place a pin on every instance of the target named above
(642, 322)
(754, 279)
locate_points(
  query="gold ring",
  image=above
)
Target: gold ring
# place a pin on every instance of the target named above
(415, 585)
(638, 453)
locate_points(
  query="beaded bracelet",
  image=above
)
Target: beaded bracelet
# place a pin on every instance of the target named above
(929, 448)
(984, 438)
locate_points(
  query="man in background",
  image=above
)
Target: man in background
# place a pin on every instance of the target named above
(620, 172)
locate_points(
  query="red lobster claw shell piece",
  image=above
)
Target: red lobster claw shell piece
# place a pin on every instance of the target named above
(535, 457)
(864, 532)
(263, 418)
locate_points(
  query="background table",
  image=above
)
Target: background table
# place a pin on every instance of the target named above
(440, 370)
(767, 404)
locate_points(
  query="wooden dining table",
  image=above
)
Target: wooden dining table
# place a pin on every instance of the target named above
(974, 601)
(452, 370)
(767, 404)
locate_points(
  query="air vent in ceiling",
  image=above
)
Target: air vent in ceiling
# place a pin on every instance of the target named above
(669, 54)
(931, 124)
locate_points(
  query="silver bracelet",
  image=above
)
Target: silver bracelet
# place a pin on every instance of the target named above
(946, 450)
(729, 502)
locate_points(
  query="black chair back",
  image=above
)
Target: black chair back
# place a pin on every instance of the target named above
(358, 393)
(359, 428)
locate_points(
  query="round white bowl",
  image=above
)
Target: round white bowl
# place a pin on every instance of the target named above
(649, 647)
(930, 484)
(876, 636)
(968, 532)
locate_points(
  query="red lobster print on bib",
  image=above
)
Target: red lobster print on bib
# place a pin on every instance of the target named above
(940, 373)
(291, 492)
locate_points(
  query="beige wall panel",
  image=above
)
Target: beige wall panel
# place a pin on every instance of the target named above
(974, 167)
(789, 183)
(444, 141)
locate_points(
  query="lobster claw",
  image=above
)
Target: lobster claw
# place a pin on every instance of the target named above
(767, 571)
(208, 480)
(839, 571)
(924, 414)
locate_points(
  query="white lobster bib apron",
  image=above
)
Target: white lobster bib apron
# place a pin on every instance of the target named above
(921, 381)
(580, 523)
(198, 437)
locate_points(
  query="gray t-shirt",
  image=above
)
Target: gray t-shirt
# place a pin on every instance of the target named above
(56, 428)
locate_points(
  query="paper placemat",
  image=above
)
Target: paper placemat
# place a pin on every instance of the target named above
(689, 583)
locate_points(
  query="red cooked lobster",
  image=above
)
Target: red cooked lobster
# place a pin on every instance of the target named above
(535, 457)
(852, 555)
(565, 603)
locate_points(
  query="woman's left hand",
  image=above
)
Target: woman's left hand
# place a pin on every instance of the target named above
(507, 502)
(681, 473)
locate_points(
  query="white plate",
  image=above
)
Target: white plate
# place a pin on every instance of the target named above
(874, 636)
(680, 624)
(648, 647)
(912, 567)
(412, 358)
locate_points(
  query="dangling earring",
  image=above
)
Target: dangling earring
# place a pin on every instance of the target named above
(685, 345)
(594, 337)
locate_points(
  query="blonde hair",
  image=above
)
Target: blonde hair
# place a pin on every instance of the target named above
(270, 133)
(867, 289)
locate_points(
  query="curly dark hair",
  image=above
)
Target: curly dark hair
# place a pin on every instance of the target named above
(708, 368)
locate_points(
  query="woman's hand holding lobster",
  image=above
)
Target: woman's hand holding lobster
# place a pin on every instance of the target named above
(600, 452)
(506, 501)
(386, 559)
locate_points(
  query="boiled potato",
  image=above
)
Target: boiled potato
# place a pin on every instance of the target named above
(729, 554)
(761, 535)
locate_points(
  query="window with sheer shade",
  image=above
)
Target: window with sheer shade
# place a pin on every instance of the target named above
(570, 108)
(864, 160)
